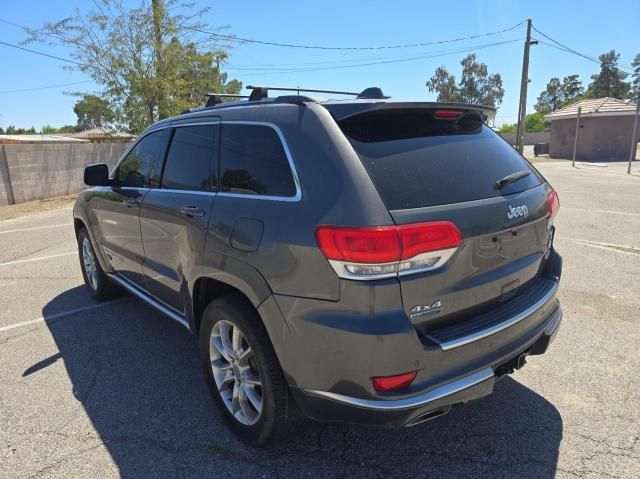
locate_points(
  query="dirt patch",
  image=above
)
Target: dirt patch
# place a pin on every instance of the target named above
(8, 212)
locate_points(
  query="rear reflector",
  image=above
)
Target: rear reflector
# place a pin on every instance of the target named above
(447, 114)
(393, 383)
(553, 201)
(384, 251)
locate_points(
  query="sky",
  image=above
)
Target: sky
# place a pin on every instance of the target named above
(590, 27)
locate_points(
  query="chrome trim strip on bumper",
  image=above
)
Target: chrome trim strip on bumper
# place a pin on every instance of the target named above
(454, 343)
(412, 402)
(150, 300)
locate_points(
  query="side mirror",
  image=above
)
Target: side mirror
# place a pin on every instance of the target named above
(97, 175)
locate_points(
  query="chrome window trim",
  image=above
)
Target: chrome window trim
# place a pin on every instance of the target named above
(199, 123)
(296, 180)
(413, 402)
(455, 343)
(183, 192)
(294, 172)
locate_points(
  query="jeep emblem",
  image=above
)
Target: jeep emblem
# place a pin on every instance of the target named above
(517, 211)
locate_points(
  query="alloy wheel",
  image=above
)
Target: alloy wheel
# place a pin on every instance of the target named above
(89, 263)
(235, 372)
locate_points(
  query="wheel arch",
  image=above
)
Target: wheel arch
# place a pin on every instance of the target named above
(210, 284)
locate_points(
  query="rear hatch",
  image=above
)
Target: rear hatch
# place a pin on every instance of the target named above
(434, 164)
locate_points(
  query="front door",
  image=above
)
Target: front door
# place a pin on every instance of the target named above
(174, 217)
(117, 211)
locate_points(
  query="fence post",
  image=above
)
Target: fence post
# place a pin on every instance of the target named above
(634, 141)
(575, 140)
(6, 176)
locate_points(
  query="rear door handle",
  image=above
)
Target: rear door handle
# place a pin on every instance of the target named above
(131, 202)
(192, 211)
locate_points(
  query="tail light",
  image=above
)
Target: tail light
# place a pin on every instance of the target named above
(553, 202)
(393, 383)
(387, 251)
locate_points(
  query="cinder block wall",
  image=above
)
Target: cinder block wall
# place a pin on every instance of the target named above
(39, 171)
(529, 138)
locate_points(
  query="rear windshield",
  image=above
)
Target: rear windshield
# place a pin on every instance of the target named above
(415, 160)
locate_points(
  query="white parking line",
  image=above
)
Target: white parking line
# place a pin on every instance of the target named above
(624, 249)
(609, 212)
(35, 228)
(62, 314)
(39, 258)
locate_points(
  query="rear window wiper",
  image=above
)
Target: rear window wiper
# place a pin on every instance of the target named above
(512, 178)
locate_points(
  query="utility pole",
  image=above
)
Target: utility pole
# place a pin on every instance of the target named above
(158, 11)
(522, 110)
(634, 137)
(575, 138)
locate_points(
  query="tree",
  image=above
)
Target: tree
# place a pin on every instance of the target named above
(93, 112)
(475, 85)
(635, 83)
(148, 60)
(1, 131)
(534, 123)
(508, 128)
(12, 130)
(572, 89)
(551, 98)
(52, 130)
(610, 80)
(558, 94)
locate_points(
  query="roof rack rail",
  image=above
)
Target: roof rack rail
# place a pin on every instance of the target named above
(216, 98)
(261, 92)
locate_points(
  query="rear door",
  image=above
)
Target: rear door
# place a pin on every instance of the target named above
(174, 217)
(431, 165)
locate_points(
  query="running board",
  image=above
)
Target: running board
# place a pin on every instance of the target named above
(150, 300)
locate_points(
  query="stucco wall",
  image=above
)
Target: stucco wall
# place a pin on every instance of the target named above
(38, 171)
(600, 138)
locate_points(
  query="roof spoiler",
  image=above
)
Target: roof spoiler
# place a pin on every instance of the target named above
(342, 111)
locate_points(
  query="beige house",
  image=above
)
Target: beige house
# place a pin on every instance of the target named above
(606, 126)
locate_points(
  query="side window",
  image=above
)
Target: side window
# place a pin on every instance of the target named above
(136, 169)
(253, 161)
(189, 164)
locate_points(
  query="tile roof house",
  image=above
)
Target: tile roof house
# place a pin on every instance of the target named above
(101, 134)
(605, 129)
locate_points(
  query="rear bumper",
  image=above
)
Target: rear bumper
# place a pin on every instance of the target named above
(431, 403)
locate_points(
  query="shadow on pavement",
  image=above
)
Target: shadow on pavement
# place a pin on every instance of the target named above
(139, 379)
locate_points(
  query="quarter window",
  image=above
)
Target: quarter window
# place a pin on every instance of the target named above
(253, 161)
(190, 159)
(138, 167)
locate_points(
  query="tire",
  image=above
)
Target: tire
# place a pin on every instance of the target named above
(261, 378)
(96, 281)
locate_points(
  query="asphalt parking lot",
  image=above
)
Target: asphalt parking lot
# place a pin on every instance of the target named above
(115, 390)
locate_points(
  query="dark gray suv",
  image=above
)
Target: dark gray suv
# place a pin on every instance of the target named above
(360, 260)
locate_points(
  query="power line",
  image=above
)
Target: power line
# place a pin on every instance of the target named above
(322, 47)
(45, 87)
(357, 65)
(563, 47)
(68, 60)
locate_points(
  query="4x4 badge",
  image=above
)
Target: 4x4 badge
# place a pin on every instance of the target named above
(424, 310)
(516, 211)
